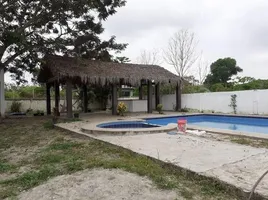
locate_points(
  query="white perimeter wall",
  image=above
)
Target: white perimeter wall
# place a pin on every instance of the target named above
(41, 105)
(135, 105)
(248, 102)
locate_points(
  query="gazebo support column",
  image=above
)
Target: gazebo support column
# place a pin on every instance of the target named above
(140, 93)
(85, 99)
(48, 86)
(157, 94)
(149, 97)
(114, 99)
(141, 90)
(69, 98)
(178, 97)
(57, 97)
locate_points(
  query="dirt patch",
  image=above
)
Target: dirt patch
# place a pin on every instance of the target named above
(98, 184)
(16, 154)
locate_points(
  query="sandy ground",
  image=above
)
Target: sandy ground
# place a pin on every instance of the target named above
(98, 184)
(235, 164)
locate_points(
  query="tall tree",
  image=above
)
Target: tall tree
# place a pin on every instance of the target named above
(222, 70)
(30, 29)
(203, 69)
(150, 57)
(181, 52)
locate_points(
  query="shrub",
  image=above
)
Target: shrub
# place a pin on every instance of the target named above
(233, 104)
(159, 108)
(184, 110)
(15, 107)
(121, 108)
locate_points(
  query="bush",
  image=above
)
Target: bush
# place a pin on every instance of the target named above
(121, 108)
(184, 110)
(15, 107)
(159, 108)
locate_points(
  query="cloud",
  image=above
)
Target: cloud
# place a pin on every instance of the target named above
(224, 28)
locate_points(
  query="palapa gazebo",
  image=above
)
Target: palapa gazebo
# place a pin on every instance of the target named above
(69, 71)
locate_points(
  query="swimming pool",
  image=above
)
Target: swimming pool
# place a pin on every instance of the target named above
(235, 123)
(127, 124)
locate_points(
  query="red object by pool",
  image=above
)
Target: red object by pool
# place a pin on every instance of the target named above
(182, 125)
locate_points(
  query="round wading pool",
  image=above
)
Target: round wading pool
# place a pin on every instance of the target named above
(127, 125)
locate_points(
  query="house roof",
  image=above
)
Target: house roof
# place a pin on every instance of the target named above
(98, 72)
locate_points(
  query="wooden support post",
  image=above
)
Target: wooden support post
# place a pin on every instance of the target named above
(69, 98)
(114, 99)
(140, 93)
(157, 94)
(57, 97)
(141, 90)
(178, 97)
(149, 97)
(48, 86)
(85, 99)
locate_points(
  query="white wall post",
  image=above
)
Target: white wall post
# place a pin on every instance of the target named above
(2, 92)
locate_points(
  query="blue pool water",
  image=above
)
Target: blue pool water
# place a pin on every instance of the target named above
(237, 123)
(127, 124)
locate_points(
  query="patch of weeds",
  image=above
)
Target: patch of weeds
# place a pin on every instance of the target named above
(73, 165)
(32, 178)
(67, 120)
(242, 141)
(64, 146)
(211, 189)
(258, 143)
(50, 158)
(48, 124)
(6, 167)
(8, 192)
(186, 193)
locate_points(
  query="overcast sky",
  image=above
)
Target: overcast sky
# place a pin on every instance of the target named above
(224, 28)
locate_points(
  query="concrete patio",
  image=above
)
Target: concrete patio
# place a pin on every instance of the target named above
(235, 164)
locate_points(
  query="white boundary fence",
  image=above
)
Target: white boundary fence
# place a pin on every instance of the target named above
(248, 102)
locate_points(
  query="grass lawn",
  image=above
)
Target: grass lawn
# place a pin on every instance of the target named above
(31, 152)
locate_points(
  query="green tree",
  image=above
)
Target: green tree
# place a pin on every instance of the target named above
(31, 29)
(222, 70)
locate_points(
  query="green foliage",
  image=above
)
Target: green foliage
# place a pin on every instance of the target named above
(48, 125)
(5, 166)
(252, 85)
(25, 92)
(31, 29)
(233, 104)
(121, 108)
(222, 70)
(167, 89)
(219, 87)
(15, 107)
(95, 93)
(188, 89)
(184, 110)
(159, 108)
(136, 92)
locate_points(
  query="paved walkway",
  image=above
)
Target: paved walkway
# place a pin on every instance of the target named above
(235, 164)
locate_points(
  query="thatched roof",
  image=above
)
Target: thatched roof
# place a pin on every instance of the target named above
(97, 72)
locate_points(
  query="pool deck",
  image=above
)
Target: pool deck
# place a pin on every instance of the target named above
(235, 164)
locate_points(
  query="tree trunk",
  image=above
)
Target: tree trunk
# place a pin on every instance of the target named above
(2, 92)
